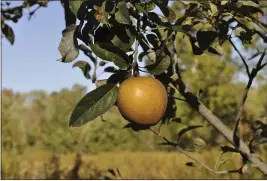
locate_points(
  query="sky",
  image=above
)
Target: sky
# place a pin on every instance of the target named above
(30, 64)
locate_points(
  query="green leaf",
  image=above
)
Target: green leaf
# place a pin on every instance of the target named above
(87, 52)
(199, 143)
(142, 54)
(177, 28)
(250, 3)
(74, 6)
(94, 104)
(145, 7)
(123, 36)
(205, 37)
(84, 66)
(153, 39)
(122, 15)
(252, 7)
(111, 53)
(167, 11)
(101, 82)
(215, 47)
(141, 9)
(245, 21)
(240, 31)
(160, 66)
(188, 21)
(119, 76)
(103, 34)
(185, 130)
(195, 48)
(102, 63)
(171, 14)
(150, 5)
(8, 32)
(110, 69)
(82, 10)
(68, 46)
(126, 47)
(109, 6)
(258, 28)
(223, 2)
(163, 2)
(214, 9)
(154, 17)
(91, 24)
(91, 3)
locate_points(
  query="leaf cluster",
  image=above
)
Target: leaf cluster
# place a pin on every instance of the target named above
(108, 29)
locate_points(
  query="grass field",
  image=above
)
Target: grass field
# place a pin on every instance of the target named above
(40, 164)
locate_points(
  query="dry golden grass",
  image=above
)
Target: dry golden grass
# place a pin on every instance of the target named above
(40, 164)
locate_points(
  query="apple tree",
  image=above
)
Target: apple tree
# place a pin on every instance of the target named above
(120, 35)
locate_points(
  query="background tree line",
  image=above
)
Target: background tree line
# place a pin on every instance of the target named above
(40, 119)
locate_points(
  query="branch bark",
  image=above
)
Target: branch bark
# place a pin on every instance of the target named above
(251, 76)
(197, 105)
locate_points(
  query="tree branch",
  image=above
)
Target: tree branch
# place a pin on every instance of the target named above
(197, 105)
(263, 141)
(252, 75)
(240, 111)
(242, 58)
(192, 158)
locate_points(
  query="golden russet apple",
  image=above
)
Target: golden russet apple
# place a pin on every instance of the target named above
(142, 100)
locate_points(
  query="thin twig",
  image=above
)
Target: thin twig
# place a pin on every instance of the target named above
(177, 69)
(164, 42)
(242, 58)
(244, 98)
(189, 156)
(200, 163)
(164, 138)
(33, 12)
(206, 113)
(263, 141)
